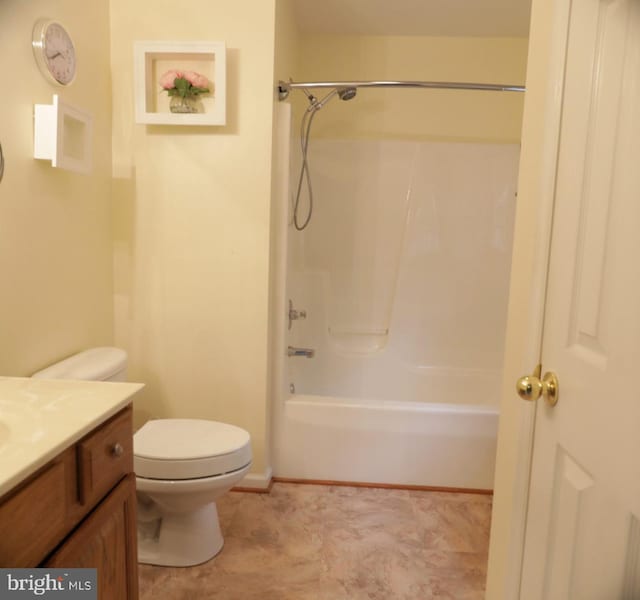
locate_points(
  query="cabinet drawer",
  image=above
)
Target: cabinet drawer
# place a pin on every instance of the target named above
(104, 457)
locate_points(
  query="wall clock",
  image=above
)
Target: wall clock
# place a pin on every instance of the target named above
(54, 51)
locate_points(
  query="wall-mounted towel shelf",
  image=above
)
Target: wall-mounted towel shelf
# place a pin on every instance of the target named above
(63, 134)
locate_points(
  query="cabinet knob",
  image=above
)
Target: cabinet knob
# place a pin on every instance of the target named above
(117, 450)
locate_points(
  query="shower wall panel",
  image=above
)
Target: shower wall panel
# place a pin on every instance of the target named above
(404, 270)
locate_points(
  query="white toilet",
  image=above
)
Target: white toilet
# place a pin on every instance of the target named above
(182, 466)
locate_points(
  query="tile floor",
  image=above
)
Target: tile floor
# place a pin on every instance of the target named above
(303, 542)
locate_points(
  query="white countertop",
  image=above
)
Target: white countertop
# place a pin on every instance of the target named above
(39, 418)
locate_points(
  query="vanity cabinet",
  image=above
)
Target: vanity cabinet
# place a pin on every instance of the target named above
(102, 541)
(79, 510)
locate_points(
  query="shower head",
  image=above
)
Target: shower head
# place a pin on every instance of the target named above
(347, 93)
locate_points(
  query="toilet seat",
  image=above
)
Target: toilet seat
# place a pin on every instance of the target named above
(189, 486)
(189, 449)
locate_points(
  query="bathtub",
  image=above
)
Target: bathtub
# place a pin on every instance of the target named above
(404, 280)
(389, 442)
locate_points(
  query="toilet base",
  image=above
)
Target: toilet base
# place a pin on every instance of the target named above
(181, 539)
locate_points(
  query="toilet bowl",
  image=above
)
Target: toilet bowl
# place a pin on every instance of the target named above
(182, 466)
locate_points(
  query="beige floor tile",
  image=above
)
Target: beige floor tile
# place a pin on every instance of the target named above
(307, 542)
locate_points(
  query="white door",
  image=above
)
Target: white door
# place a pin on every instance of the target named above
(583, 524)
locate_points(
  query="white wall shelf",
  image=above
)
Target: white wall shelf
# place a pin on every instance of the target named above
(63, 134)
(153, 58)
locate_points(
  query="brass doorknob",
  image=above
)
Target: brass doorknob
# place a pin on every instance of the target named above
(531, 387)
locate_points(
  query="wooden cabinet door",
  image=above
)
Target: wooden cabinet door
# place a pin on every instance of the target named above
(106, 540)
(35, 518)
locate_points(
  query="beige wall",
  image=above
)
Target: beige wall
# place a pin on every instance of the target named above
(287, 41)
(285, 66)
(55, 226)
(192, 216)
(409, 113)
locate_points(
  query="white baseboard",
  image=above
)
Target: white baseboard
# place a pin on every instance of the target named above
(257, 481)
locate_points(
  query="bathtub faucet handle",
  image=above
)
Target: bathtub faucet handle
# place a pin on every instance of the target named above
(294, 314)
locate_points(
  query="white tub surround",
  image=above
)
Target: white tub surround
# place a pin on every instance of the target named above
(39, 418)
(404, 271)
(403, 274)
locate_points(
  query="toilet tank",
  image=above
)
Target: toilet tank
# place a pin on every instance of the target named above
(95, 364)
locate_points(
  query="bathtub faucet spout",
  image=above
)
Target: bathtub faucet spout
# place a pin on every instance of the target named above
(308, 352)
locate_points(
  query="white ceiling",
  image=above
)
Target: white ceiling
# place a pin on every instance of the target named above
(499, 18)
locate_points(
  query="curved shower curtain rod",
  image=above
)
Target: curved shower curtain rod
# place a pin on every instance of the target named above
(284, 87)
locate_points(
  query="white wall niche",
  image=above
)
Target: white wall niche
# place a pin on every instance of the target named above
(63, 134)
(153, 58)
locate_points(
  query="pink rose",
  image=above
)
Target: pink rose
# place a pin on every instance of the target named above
(167, 80)
(195, 79)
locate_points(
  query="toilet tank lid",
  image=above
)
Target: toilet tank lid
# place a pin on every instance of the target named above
(95, 364)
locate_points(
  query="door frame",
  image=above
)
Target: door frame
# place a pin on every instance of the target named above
(525, 320)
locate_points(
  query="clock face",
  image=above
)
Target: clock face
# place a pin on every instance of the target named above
(54, 51)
